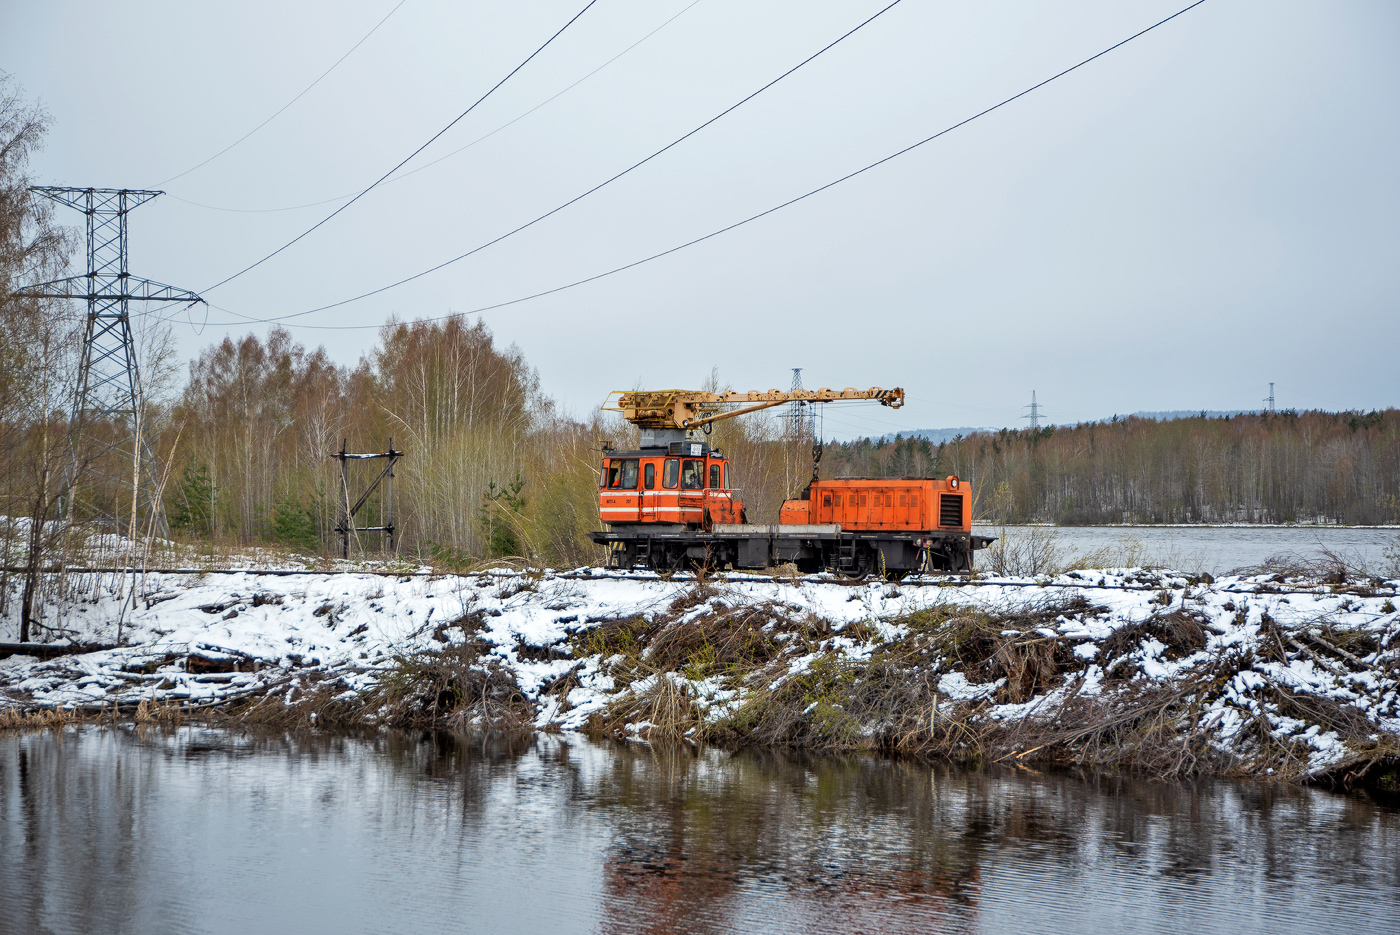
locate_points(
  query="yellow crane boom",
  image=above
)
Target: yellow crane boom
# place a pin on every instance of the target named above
(690, 409)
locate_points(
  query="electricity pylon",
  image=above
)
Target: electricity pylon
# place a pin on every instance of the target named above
(108, 387)
(801, 418)
(1035, 412)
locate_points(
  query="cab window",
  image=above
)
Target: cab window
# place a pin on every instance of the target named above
(726, 475)
(671, 475)
(622, 474)
(716, 475)
(649, 475)
(693, 475)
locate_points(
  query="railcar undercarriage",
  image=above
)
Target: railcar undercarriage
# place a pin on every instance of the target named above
(811, 548)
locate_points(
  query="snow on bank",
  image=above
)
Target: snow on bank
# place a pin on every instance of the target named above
(211, 638)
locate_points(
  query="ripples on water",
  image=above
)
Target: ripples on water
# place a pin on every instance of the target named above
(194, 831)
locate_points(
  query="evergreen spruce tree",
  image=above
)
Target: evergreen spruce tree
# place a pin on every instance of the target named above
(195, 500)
(295, 525)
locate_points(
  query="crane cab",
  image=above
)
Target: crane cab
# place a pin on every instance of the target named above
(684, 485)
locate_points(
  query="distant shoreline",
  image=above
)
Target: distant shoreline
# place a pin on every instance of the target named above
(981, 525)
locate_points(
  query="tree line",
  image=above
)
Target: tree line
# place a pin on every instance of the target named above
(1269, 467)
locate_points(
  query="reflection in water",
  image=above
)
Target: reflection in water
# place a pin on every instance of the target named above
(206, 831)
(757, 843)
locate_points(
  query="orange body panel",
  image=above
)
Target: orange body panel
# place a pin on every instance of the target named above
(796, 513)
(885, 505)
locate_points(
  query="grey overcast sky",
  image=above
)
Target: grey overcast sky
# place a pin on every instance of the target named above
(1209, 208)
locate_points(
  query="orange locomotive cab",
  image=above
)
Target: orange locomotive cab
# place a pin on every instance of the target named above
(684, 485)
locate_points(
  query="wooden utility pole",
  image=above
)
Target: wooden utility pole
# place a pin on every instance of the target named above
(346, 527)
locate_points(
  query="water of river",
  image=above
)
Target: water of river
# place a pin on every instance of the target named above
(1221, 549)
(198, 831)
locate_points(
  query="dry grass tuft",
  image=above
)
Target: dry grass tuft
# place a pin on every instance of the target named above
(1018, 644)
(449, 688)
(808, 710)
(16, 719)
(154, 712)
(662, 713)
(727, 642)
(702, 591)
(1182, 633)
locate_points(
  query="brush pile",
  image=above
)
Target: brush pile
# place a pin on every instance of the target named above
(1267, 675)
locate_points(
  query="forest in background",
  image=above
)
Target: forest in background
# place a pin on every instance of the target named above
(492, 468)
(1280, 467)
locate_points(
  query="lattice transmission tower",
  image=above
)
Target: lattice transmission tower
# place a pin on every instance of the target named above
(108, 388)
(801, 418)
(1035, 412)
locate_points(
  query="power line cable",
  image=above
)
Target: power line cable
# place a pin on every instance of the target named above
(600, 185)
(396, 168)
(479, 139)
(712, 234)
(284, 106)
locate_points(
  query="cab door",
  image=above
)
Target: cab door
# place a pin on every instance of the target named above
(718, 499)
(650, 495)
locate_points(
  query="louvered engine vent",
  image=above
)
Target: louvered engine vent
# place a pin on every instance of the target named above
(950, 510)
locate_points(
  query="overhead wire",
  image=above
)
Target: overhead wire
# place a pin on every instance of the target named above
(863, 420)
(410, 156)
(698, 240)
(460, 149)
(284, 106)
(600, 185)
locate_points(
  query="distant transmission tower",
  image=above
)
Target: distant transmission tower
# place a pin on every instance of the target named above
(1035, 412)
(109, 379)
(800, 418)
(1269, 400)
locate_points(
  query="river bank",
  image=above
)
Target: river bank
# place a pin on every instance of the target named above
(1168, 674)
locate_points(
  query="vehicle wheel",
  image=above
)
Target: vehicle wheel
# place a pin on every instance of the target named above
(865, 566)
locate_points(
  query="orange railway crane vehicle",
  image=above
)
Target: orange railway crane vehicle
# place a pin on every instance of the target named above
(672, 501)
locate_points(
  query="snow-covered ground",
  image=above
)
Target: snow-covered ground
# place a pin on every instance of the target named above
(214, 637)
